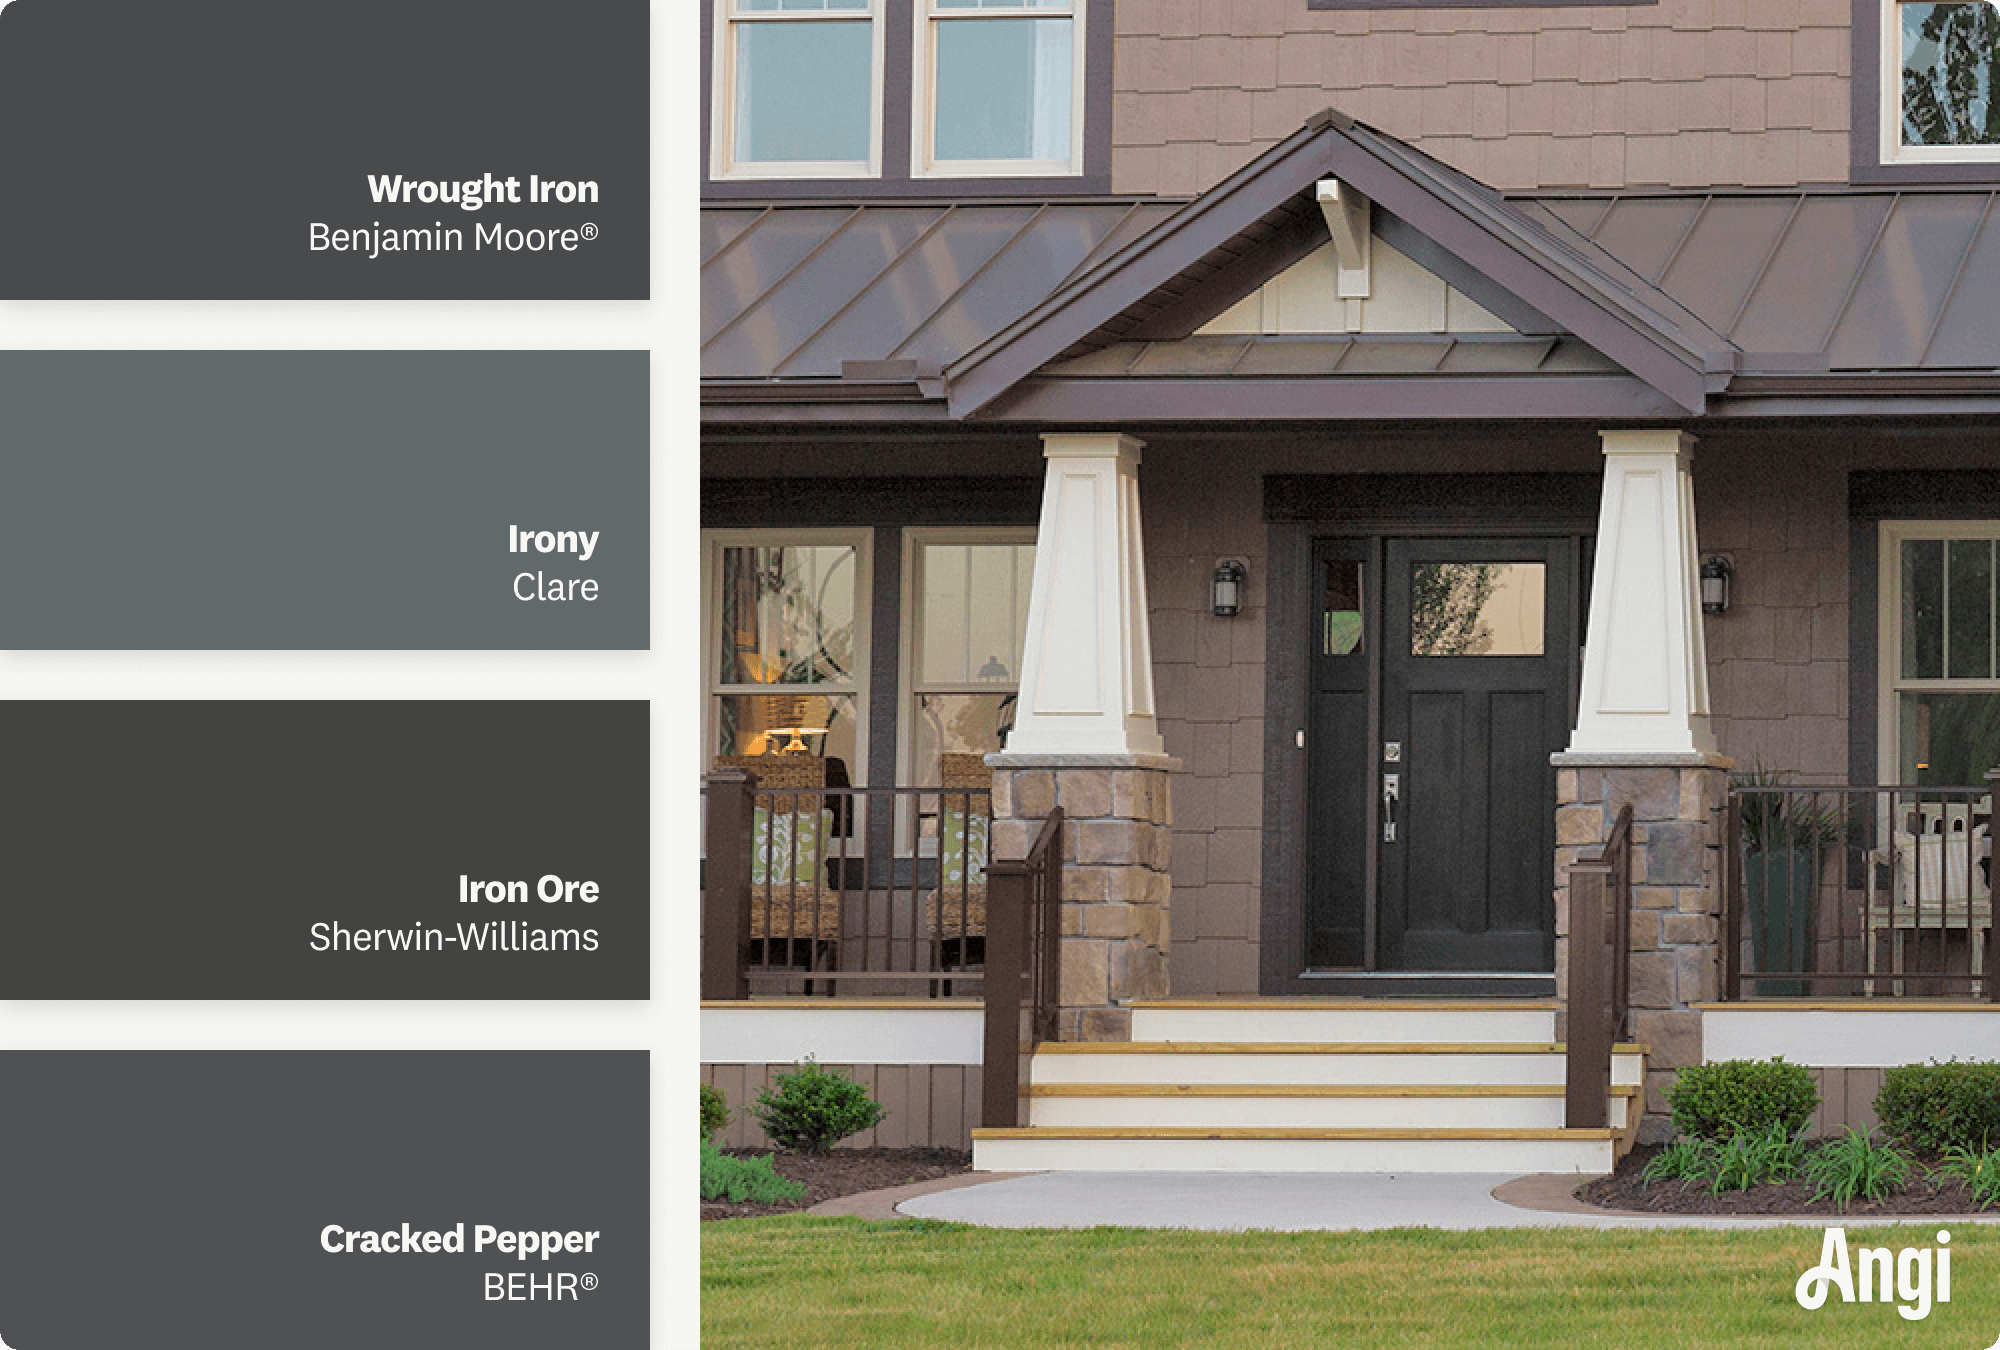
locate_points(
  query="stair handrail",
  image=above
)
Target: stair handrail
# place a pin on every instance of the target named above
(1023, 965)
(1600, 964)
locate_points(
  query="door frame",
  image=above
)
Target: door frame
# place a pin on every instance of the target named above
(1299, 509)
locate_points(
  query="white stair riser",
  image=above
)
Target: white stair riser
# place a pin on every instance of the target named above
(1500, 1113)
(1292, 1155)
(1435, 1070)
(1392, 1025)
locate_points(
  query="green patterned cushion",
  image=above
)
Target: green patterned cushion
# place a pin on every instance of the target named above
(786, 847)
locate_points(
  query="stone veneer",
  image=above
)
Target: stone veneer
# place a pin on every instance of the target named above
(1117, 833)
(1675, 939)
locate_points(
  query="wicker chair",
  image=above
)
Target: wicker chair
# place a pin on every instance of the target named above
(956, 911)
(789, 897)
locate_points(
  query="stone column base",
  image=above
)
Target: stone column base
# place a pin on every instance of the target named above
(1117, 828)
(1675, 939)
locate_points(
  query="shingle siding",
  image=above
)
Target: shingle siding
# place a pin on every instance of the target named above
(1686, 93)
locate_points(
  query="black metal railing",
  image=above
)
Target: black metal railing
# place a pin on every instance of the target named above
(843, 890)
(1858, 892)
(1600, 974)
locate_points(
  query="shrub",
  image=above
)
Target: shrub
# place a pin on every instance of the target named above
(714, 1111)
(1980, 1171)
(1686, 1159)
(811, 1109)
(1754, 1157)
(1853, 1165)
(744, 1180)
(1742, 1096)
(1938, 1107)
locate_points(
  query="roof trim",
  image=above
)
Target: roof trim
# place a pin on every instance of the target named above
(1134, 399)
(1577, 286)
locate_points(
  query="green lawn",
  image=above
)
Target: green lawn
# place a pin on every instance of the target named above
(798, 1281)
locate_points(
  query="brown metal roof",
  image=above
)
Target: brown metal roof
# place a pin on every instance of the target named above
(1829, 280)
(799, 290)
(944, 309)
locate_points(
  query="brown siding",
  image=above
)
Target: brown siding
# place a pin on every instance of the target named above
(1777, 661)
(1685, 93)
(1846, 1097)
(928, 1105)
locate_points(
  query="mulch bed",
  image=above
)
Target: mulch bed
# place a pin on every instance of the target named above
(1623, 1189)
(844, 1171)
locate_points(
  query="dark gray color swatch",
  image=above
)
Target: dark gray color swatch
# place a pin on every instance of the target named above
(186, 150)
(353, 500)
(178, 1199)
(207, 850)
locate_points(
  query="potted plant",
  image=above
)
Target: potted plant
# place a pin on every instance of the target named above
(1784, 834)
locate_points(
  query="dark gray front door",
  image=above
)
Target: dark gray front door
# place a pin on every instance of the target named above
(1441, 678)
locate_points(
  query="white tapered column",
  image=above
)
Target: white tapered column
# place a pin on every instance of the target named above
(1087, 667)
(1645, 664)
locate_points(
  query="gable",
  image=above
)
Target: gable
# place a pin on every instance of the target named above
(1403, 297)
(1247, 256)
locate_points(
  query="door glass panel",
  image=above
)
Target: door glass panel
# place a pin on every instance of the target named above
(1340, 615)
(1477, 608)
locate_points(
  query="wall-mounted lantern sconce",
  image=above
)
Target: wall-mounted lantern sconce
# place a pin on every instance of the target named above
(1715, 576)
(1229, 577)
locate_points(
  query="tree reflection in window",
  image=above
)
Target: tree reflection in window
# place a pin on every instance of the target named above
(1951, 55)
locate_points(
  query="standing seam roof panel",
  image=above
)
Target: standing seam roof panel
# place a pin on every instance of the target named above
(1725, 255)
(784, 317)
(1806, 278)
(1968, 331)
(876, 323)
(1905, 284)
(1644, 234)
(735, 281)
(1029, 268)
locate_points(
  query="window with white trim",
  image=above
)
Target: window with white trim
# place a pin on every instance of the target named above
(798, 89)
(1940, 82)
(786, 656)
(1940, 652)
(999, 88)
(967, 597)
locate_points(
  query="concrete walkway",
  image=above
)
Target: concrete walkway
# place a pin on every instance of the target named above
(1232, 1201)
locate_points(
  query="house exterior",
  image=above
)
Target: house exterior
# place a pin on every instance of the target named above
(1298, 437)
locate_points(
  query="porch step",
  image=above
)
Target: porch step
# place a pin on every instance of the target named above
(1317, 1085)
(1306, 1106)
(1442, 1063)
(1202, 1149)
(1346, 1020)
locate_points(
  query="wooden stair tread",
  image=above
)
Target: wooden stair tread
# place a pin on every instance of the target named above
(1316, 1048)
(1461, 1132)
(1362, 1090)
(1307, 1003)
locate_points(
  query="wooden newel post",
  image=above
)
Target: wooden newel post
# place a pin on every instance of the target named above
(725, 896)
(1587, 1067)
(1005, 1055)
(1992, 971)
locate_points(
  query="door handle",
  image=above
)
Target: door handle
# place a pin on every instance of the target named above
(1392, 792)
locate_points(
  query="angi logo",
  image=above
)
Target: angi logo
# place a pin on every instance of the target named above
(1911, 1270)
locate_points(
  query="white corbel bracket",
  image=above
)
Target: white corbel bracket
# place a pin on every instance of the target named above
(1347, 221)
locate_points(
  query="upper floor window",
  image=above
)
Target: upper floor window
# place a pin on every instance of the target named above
(916, 96)
(799, 89)
(1000, 88)
(1939, 63)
